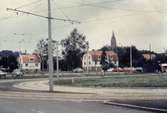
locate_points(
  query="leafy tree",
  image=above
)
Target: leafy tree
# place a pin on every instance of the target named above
(138, 59)
(161, 58)
(8, 60)
(42, 50)
(124, 55)
(105, 48)
(104, 61)
(75, 45)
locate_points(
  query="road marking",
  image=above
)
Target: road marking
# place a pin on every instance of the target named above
(37, 111)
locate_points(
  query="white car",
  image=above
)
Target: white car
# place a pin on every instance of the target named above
(78, 70)
(17, 73)
(2, 74)
(110, 70)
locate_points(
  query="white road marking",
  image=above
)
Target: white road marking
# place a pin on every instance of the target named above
(37, 111)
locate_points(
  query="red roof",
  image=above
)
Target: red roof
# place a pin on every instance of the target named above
(30, 58)
(96, 54)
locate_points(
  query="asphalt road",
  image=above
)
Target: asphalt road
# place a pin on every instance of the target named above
(38, 106)
(17, 105)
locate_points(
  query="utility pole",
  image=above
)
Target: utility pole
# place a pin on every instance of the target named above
(50, 50)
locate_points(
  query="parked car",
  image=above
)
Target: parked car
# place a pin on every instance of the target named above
(2, 74)
(78, 70)
(139, 69)
(17, 73)
(118, 69)
(110, 70)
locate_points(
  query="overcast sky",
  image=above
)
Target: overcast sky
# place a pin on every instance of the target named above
(137, 22)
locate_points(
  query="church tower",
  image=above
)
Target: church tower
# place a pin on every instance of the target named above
(113, 43)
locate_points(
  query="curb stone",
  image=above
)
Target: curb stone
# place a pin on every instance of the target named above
(136, 107)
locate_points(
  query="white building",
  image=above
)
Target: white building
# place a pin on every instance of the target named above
(30, 62)
(164, 67)
(91, 60)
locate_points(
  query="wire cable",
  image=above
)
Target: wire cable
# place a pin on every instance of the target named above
(87, 4)
(28, 4)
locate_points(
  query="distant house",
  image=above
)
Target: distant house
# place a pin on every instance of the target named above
(30, 62)
(164, 67)
(91, 60)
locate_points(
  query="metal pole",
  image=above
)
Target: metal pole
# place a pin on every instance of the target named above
(131, 60)
(87, 61)
(150, 51)
(50, 60)
(57, 60)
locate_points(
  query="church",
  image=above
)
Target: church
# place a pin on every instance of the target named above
(113, 43)
(91, 59)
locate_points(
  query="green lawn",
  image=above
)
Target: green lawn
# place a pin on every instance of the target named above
(117, 81)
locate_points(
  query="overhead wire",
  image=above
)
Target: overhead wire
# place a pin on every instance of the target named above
(28, 4)
(127, 9)
(87, 4)
(61, 11)
(22, 6)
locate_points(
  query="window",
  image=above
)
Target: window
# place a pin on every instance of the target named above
(36, 64)
(26, 65)
(99, 57)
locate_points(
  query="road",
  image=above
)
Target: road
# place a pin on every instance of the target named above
(38, 106)
(13, 100)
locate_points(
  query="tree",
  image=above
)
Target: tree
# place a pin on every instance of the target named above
(124, 55)
(8, 60)
(105, 48)
(75, 45)
(42, 50)
(161, 58)
(104, 61)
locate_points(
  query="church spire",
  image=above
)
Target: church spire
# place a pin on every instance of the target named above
(113, 42)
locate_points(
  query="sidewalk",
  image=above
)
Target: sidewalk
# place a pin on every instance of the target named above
(113, 93)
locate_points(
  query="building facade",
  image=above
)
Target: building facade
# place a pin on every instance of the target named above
(164, 67)
(30, 62)
(91, 60)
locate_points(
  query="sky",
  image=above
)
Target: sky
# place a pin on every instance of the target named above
(134, 22)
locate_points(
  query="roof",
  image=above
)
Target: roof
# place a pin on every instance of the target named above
(30, 58)
(95, 54)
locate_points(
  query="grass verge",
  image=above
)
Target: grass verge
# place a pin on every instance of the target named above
(116, 81)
